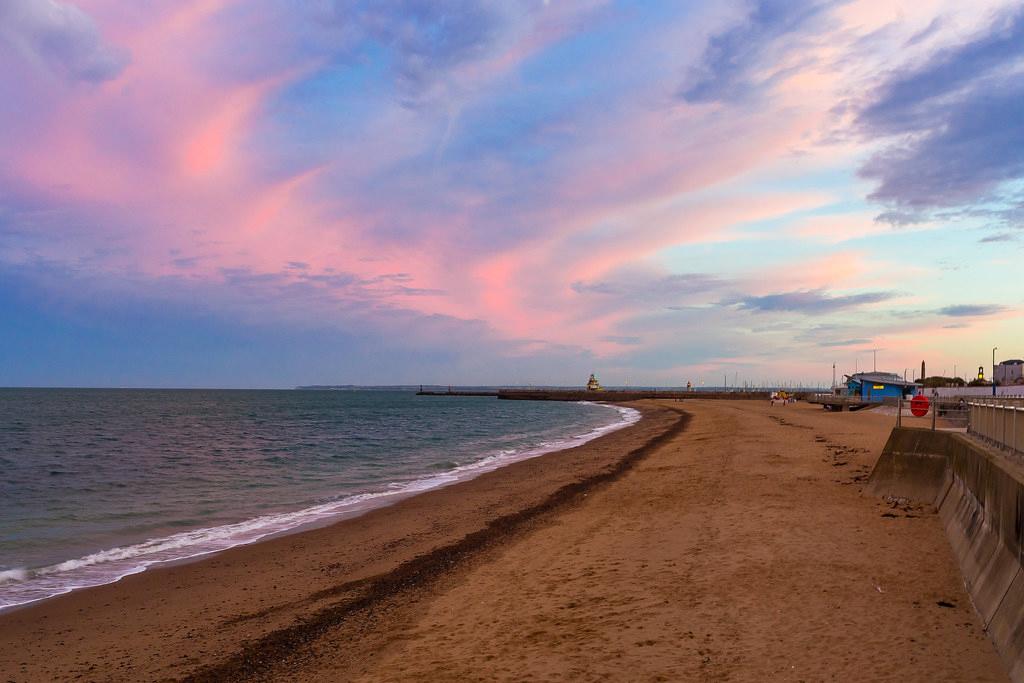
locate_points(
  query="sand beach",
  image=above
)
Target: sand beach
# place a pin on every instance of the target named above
(712, 540)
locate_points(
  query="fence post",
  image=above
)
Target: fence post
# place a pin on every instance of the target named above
(935, 412)
(899, 411)
(1004, 412)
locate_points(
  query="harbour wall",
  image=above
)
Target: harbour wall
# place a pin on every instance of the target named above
(610, 395)
(979, 495)
(617, 396)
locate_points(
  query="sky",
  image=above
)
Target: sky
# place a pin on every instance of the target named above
(268, 193)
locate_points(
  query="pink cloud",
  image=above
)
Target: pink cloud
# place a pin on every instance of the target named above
(207, 150)
(175, 163)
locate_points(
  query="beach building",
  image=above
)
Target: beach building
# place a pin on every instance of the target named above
(876, 386)
(1010, 372)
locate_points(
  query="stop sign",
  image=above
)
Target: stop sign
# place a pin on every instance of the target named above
(919, 405)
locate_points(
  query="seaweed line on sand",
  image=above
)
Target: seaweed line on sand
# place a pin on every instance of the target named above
(259, 657)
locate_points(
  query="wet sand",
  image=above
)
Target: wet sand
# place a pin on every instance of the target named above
(173, 622)
(738, 548)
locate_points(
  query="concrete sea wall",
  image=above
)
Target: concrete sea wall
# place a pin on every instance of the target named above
(977, 392)
(979, 495)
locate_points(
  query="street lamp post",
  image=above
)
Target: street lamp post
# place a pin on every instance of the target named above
(994, 349)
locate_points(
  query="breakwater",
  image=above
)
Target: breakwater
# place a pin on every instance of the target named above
(452, 392)
(624, 396)
(610, 395)
(979, 494)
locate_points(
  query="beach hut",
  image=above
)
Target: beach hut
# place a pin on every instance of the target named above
(877, 386)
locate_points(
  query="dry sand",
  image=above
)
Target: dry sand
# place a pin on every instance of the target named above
(739, 549)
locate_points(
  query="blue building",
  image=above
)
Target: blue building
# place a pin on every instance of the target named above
(876, 386)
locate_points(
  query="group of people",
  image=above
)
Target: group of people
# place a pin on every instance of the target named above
(783, 396)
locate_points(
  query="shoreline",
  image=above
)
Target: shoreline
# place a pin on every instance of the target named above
(294, 572)
(211, 540)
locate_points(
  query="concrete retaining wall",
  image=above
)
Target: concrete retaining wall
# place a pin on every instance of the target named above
(980, 392)
(980, 498)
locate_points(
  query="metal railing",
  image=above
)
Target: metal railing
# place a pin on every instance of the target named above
(999, 421)
(953, 412)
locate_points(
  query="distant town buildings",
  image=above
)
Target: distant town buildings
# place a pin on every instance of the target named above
(1010, 372)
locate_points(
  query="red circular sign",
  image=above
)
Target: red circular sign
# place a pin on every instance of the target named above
(919, 405)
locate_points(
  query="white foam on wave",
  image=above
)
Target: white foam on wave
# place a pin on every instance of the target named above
(14, 575)
(21, 586)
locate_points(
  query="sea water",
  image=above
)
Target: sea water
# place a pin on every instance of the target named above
(98, 484)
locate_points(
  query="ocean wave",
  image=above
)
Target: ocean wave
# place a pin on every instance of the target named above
(20, 586)
(14, 575)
